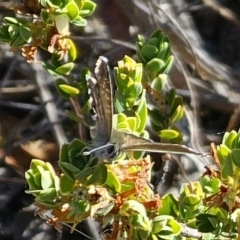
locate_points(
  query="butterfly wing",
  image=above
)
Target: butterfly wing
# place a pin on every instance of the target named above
(101, 90)
(129, 142)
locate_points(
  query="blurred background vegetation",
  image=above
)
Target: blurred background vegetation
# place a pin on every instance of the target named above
(33, 124)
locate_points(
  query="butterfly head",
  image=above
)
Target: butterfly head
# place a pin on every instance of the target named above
(106, 152)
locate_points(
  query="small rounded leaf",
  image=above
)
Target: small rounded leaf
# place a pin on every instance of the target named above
(149, 51)
(159, 82)
(66, 185)
(236, 156)
(168, 134)
(65, 68)
(73, 10)
(26, 34)
(99, 175)
(177, 115)
(69, 89)
(113, 183)
(155, 65)
(229, 139)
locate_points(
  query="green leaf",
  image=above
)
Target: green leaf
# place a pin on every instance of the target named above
(113, 183)
(80, 3)
(227, 167)
(63, 93)
(229, 139)
(158, 34)
(177, 114)
(69, 89)
(56, 183)
(170, 206)
(203, 223)
(222, 152)
(142, 112)
(237, 141)
(159, 82)
(17, 42)
(168, 65)
(66, 185)
(80, 206)
(72, 51)
(155, 65)
(153, 41)
(71, 161)
(13, 31)
(99, 175)
(11, 20)
(76, 158)
(47, 194)
(4, 34)
(178, 101)
(156, 226)
(141, 58)
(142, 233)
(191, 200)
(26, 34)
(88, 8)
(35, 163)
(133, 92)
(31, 181)
(124, 126)
(83, 175)
(56, 60)
(132, 206)
(37, 179)
(73, 11)
(50, 169)
(50, 69)
(175, 227)
(54, 3)
(236, 156)
(77, 145)
(166, 227)
(171, 97)
(132, 123)
(121, 117)
(168, 134)
(79, 22)
(127, 186)
(44, 15)
(66, 167)
(164, 51)
(140, 221)
(210, 185)
(65, 68)
(156, 118)
(205, 228)
(149, 51)
(120, 102)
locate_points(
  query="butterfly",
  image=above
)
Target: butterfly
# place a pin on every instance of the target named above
(107, 142)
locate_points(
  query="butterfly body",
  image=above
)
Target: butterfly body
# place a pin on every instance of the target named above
(107, 142)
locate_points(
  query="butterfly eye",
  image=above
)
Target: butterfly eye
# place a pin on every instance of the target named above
(112, 151)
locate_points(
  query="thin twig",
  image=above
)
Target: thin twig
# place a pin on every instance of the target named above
(222, 11)
(49, 105)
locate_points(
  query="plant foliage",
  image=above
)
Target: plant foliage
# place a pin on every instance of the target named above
(119, 194)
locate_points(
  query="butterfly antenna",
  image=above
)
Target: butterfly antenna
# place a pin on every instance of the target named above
(86, 153)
